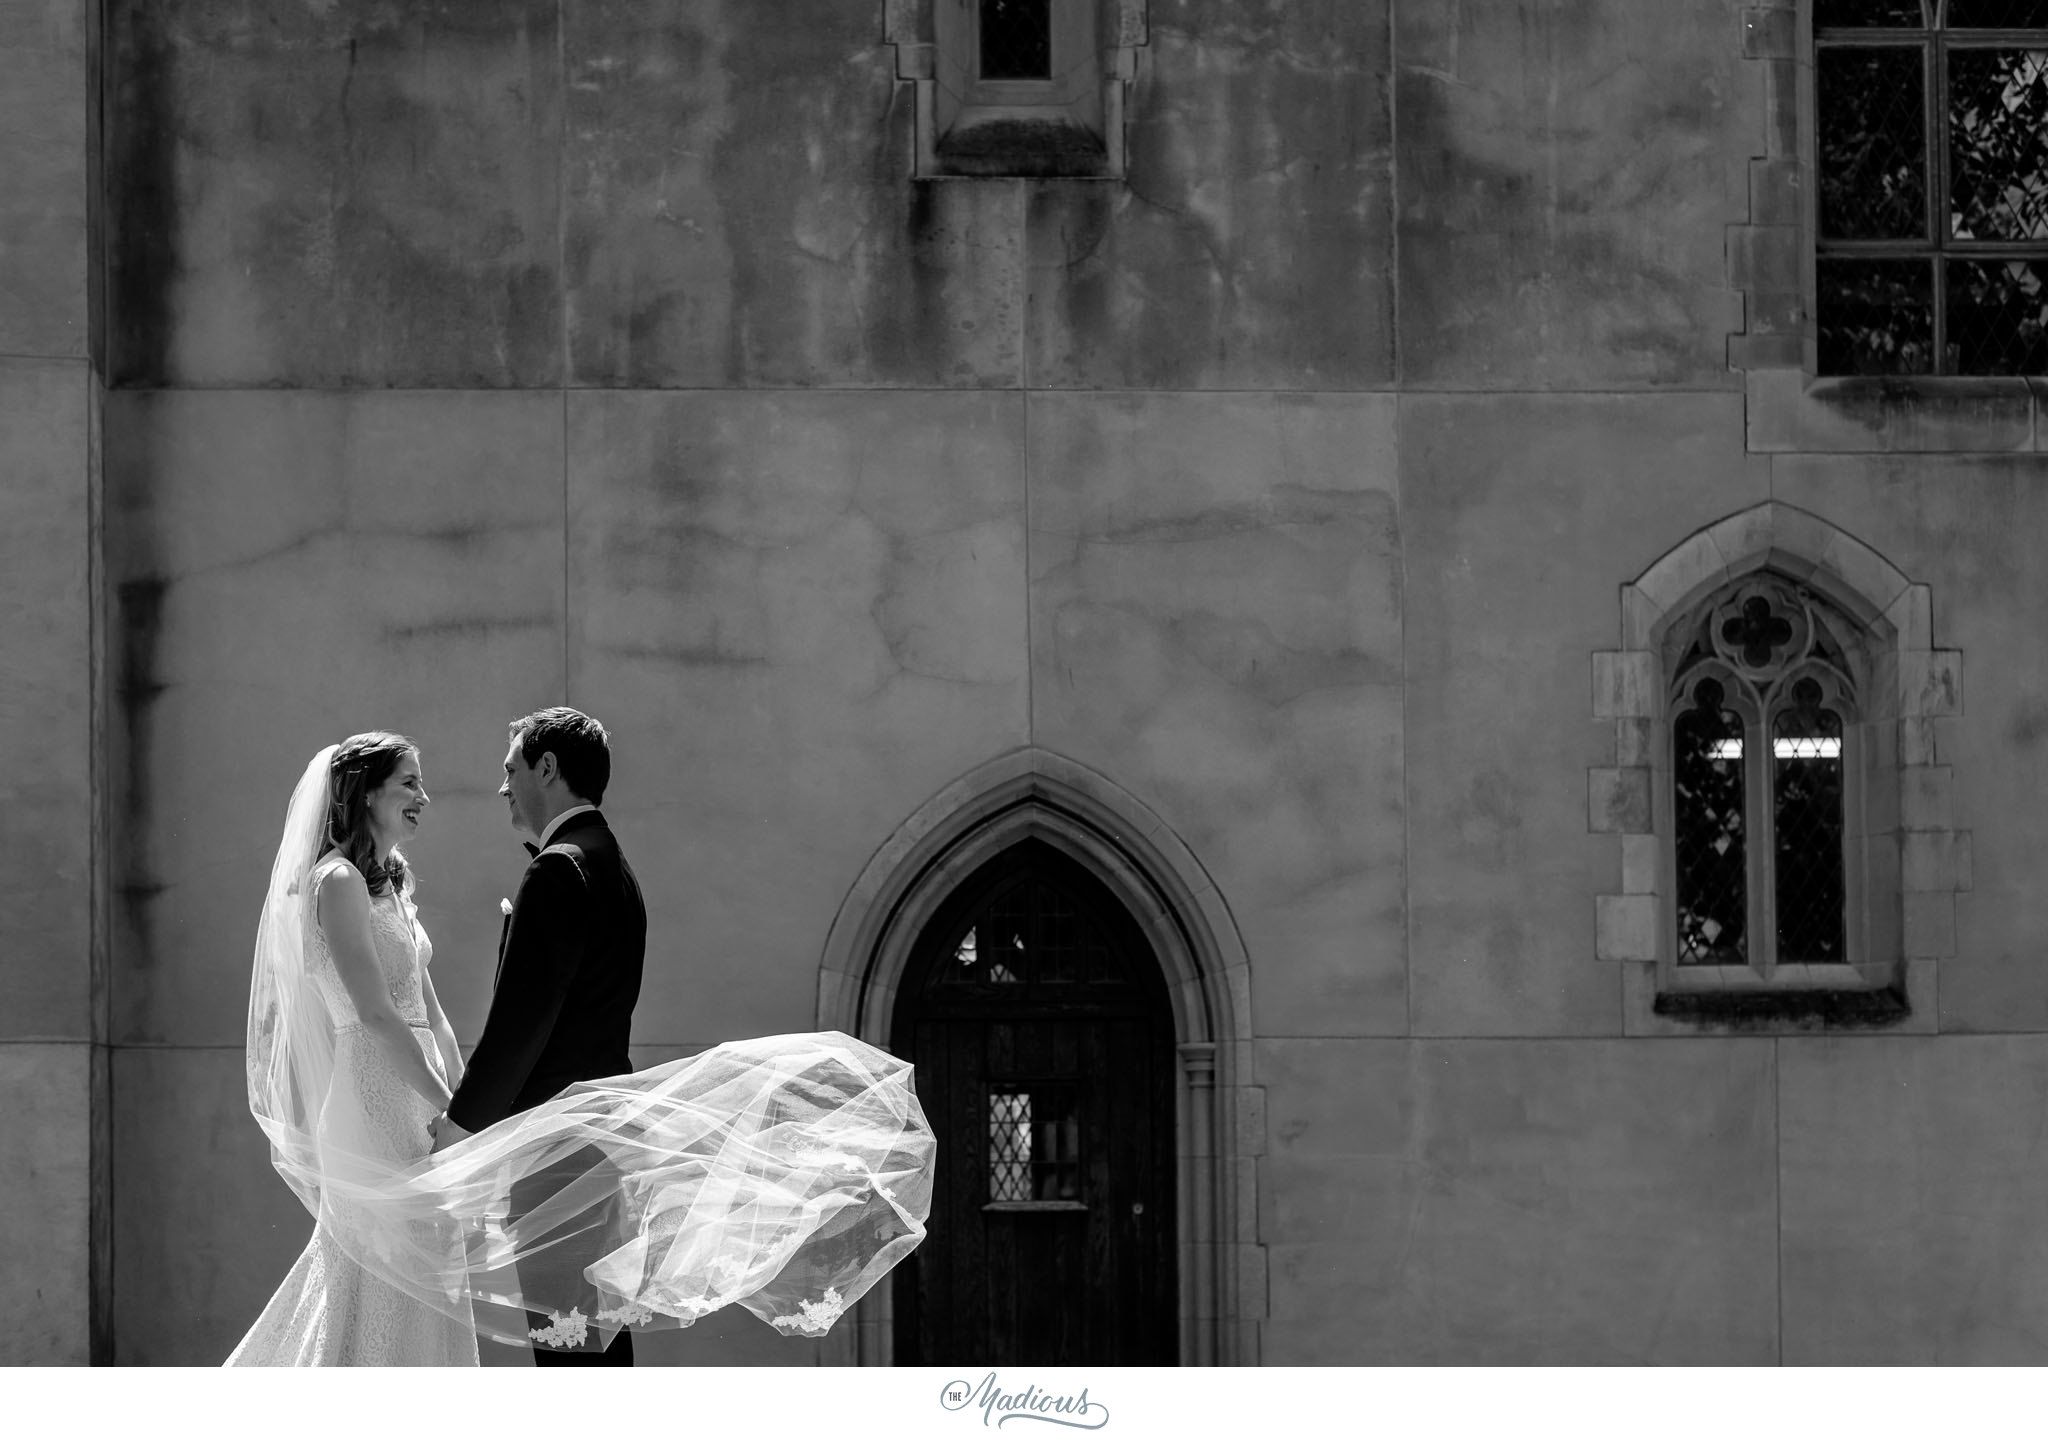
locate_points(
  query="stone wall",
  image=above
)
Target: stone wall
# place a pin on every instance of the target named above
(52, 1052)
(478, 355)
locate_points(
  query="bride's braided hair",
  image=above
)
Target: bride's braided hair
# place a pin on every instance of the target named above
(360, 766)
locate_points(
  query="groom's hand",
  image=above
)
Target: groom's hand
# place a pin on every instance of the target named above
(447, 1133)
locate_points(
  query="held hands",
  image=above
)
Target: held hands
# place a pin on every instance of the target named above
(447, 1133)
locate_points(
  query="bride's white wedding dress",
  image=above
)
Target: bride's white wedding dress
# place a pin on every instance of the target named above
(785, 1174)
(330, 1310)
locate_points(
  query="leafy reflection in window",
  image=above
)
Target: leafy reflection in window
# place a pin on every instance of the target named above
(1708, 781)
(1926, 267)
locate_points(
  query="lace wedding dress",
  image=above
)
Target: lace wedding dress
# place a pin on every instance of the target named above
(330, 1310)
(785, 1174)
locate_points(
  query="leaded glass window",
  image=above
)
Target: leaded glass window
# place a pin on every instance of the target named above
(1931, 121)
(1033, 933)
(1034, 1145)
(1713, 914)
(1763, 702)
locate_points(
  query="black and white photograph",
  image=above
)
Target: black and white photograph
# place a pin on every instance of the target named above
(948, 700)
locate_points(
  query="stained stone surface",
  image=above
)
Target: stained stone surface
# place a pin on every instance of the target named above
(45, 701)
(43, 103)
(1524, 515)
(801, 615)
(1566, 174)
(45, 1170)
(1971, 529)
(1512, 1201)
(1260, 716)
(1252, 245)
(739, 209)
(1912, 1178)
(203, 1239)
(288, 569)
(344, 194)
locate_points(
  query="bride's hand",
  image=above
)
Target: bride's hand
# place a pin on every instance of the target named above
(447, 1133)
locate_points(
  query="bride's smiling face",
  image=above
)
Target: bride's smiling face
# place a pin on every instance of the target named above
(394, 808)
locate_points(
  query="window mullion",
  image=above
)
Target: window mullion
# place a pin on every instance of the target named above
(1936, 91)
(1763, 927)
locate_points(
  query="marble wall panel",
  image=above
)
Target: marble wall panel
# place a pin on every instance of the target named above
(1565, 174)
(740, 210)
(1252, 244)
(1216, 625)
(344, 194)
(1912, 1218)
(801, 615)
(45, 1198)
(1519, 1201)
(1973, 529)
(44, 95)
(288, 569)
(45, 700)
(1524, 516)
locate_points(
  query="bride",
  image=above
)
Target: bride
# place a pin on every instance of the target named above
(786, 1174)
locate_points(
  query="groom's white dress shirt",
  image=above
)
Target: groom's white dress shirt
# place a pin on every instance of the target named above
(556, 824)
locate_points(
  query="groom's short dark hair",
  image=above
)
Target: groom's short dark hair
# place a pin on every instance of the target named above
(582, 750)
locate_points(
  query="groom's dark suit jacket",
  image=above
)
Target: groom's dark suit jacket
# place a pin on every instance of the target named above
(569, 965)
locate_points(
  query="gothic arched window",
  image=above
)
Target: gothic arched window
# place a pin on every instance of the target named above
(1765, 721)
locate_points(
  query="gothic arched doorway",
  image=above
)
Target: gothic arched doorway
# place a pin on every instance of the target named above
(1035, 1011)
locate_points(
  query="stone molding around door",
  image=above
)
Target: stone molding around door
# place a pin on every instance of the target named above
(1219, 1119)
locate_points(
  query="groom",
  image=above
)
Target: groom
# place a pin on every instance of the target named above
(568, 968)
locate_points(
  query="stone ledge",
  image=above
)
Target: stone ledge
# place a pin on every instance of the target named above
(1786, 1010)
(1790, 412)
(1905, 1004)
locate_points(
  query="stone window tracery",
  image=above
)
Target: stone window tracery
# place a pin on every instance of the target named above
(1764, 698)
(1788, 852)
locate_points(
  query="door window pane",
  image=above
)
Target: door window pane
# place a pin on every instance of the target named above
(1034, 1143)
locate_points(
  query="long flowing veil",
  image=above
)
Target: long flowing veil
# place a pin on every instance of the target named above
(785, 1174)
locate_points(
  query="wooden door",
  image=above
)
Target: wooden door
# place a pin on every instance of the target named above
(1037, 1018)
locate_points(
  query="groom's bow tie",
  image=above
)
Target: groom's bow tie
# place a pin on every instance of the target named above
(531, 848)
